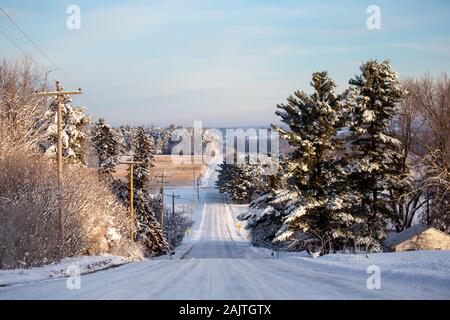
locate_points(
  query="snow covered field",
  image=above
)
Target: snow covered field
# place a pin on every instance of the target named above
(216, 261)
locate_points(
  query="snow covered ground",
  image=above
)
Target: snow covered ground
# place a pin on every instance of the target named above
(65, 268)
(216, 261)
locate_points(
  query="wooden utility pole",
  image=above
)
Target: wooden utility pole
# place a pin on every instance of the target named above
(132, 216)
(162, 181)
(198, 189)
(174, 196)
(195, 179)
(60, 93)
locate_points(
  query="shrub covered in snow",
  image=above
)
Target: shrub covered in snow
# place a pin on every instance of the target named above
(95, 222)
(21, 109)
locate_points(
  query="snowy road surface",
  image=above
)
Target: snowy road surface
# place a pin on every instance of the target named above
(219, 263)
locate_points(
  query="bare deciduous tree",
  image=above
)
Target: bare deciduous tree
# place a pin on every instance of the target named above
(424, 128)
(406, 195)
(21, 110)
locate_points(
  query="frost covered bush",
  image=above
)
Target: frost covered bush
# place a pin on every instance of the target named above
(20, 108)
(95, 223)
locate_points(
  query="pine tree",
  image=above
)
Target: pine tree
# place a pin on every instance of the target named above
(149, 230)
(143, 152)
(106, 142)
(241, 181)
(314, 204)
(233, 181)
(374, 153)
(74, 124)
(126, 133)
(264, 218)
(224, 177)
(167, 137)
(161, 138)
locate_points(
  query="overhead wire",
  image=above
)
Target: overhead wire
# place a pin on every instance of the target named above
(52, 62)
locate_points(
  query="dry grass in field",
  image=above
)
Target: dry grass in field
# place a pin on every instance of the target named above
(180, 169)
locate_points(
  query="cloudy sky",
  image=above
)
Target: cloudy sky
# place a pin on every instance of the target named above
(227, 63)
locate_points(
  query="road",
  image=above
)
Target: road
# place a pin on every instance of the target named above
(219, 263)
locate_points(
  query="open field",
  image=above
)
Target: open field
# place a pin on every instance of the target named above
(180, 170)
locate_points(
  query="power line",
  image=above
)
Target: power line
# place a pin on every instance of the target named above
(37, 47)
(163, 181)
(41, 51)
(182, 198)
(13, 43)
(46, 71)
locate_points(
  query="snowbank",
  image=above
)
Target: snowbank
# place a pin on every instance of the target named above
(430, 269)
(434, 264)
(65, 268)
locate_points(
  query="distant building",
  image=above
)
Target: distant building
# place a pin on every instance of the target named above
(418, 237)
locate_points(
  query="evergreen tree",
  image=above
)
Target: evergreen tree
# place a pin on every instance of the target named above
(224, 177)
(74, 124)
(167, 137)
(143, 153)
(374, 153)
(149, 231)
(314, 203)
(126, 133)
(161, 138)
(106, 142)
(264, 218)
(241, 181)
(233, 181)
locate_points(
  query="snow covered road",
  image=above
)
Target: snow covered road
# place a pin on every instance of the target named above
(217, 235)
(221, 264)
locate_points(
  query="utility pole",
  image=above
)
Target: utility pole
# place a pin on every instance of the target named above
(162, 181)
(132, 216)
(193, 173)
(196, 184)
(174, 196)
(60, 93)
(173, 216)
(198, 189)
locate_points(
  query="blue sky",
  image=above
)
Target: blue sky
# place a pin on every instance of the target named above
(227, 63)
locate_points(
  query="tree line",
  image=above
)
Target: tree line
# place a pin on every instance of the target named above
(372, 158)
(95, 205)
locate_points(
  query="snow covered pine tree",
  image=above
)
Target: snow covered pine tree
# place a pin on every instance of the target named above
(149, 230)
(245, 180)
(234, 180)
(126, 133)
(106, 141)
(74, 123)
(161, 139)
(374, 153)
(264, 219)
(317, 214)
